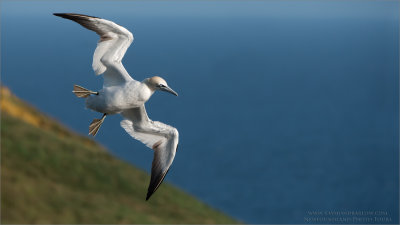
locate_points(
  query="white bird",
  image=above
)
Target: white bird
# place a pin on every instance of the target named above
(124, 95)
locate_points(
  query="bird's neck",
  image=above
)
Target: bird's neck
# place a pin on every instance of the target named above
(148, 90)
(146, 82)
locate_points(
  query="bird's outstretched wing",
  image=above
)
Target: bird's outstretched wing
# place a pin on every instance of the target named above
(162, 138)
(111, 48)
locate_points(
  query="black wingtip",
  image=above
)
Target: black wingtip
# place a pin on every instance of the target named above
(73, 15)
(154, 186)
(58, 14)
(149, 194)
(63, 15)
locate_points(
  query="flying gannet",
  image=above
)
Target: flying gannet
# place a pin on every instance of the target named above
(124, 95)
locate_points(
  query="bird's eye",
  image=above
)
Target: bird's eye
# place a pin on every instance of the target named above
(161, 85)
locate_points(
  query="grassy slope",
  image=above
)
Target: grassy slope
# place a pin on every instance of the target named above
(51, 175)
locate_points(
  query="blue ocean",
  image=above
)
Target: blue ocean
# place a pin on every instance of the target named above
(288, 111)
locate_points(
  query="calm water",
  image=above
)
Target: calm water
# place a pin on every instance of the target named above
(284, 108)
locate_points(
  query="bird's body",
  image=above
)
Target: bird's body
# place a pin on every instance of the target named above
(115, 99)
(121, 94)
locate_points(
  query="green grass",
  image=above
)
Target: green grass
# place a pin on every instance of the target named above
(54, 177)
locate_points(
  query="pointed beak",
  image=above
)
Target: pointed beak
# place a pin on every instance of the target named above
(168, 89)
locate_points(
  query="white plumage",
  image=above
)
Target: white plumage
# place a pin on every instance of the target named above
(122, 94)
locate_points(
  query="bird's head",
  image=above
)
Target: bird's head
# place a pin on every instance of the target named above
(158, 83)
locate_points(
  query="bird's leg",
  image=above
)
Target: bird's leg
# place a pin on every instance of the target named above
(96, 124)
(82, 92)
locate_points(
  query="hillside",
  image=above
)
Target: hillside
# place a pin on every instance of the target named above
(52, 175)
